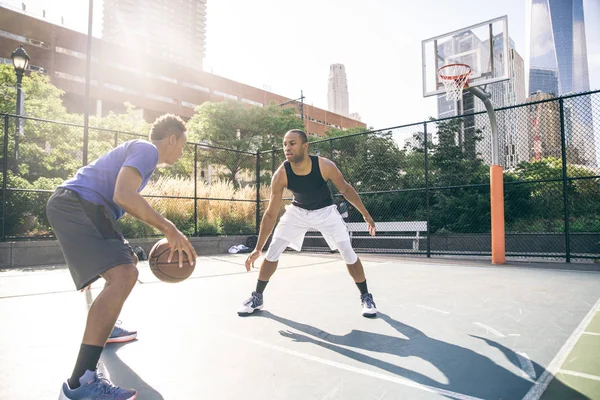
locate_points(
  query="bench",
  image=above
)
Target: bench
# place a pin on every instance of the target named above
(418, 227)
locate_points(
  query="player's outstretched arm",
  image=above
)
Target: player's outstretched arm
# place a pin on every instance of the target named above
(278, 183)
(331, 172)
(127, 197)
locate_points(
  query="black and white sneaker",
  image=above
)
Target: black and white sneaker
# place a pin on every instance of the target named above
(369, 309)
(255, 302)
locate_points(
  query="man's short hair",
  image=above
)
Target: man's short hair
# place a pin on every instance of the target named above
(300, 133)
(167, 125)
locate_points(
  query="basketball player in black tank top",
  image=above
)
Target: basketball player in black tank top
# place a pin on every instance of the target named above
(306, 177)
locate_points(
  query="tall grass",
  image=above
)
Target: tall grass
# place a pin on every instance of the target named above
(225, 216)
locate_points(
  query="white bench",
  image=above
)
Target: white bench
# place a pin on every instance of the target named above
(418, 227)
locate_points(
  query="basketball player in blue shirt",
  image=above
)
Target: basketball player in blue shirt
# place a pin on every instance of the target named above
(306, 177)
(83, 212)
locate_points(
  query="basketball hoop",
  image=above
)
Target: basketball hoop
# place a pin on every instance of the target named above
(455, 78)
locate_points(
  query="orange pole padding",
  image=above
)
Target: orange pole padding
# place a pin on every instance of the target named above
(497, 208)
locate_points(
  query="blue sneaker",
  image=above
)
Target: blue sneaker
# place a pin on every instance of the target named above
(255, 302)
(94, 386)
(120, 335)
(369, 309)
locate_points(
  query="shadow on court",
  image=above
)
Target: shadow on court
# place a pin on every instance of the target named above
(122, 375)
(467, 372)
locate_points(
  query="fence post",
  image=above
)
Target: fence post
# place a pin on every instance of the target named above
(565, 180)
(195, 190)
(4, 176)
(116, 138)
(426, 147)
(272, 160)
(331, 149)
(257, 192)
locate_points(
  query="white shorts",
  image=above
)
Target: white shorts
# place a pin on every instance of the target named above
(296, 221)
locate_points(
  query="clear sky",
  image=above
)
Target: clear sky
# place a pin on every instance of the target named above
(288, 46)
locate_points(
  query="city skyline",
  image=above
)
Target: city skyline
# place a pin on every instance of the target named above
(248, 46)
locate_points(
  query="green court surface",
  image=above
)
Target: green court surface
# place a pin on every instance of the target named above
(581, 369)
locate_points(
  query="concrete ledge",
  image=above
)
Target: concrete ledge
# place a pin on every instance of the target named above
(48, 252)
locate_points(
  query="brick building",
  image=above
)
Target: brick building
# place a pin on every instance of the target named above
(120, 74)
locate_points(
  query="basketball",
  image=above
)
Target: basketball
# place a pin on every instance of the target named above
(168, 271)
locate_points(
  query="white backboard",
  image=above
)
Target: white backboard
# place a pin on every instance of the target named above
(484, 47)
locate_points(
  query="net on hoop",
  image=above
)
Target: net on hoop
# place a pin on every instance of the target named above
(455, 78)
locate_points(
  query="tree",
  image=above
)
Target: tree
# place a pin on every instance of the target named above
(242, 128)
(46, 149)
(371, 162)
(454, 164)
(545, 199)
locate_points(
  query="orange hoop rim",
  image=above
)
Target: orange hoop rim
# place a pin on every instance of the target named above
(454, 77)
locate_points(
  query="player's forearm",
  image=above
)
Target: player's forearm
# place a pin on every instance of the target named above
(354, 199)
(266, 227)
(135, 205)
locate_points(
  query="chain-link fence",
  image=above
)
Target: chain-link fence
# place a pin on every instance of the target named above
(428, 181)
(209, 191)
(434, 176)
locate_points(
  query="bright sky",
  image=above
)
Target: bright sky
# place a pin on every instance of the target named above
(287, 46)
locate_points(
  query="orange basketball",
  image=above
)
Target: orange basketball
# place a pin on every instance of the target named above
(168, 271)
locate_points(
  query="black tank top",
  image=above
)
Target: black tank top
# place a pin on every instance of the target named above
(310, 191)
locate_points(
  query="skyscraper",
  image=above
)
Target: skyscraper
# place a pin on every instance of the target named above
(559, 66)
(558, 57)
(337, 95)
(173, 30)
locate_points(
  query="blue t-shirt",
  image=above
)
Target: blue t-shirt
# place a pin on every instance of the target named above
(96, 181)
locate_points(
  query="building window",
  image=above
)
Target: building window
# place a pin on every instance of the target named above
(23, 39)
(161, 77)
(188, 104)
(161, 98)
(254, 103)
(226, 95)
(196, 87)
(69, 77)
(120, 89)
(68, 52)
(74, 78)
(122, 67)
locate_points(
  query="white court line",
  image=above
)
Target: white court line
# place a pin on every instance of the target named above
(489, 329)
(514, 334)
(362, 371)
(526, 366)
(579, 374)
(591, 333)
(540, 386)
(434, 309)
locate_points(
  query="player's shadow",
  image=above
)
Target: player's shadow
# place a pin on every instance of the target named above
(464, 370)
(123, 376)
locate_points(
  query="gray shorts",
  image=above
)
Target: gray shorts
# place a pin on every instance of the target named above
(89, 237)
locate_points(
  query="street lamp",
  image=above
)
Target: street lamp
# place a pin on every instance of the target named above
(20, 60)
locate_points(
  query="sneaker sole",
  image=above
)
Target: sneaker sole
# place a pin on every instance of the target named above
(63, 396)
(370, 315)
(122, 339)
(245, 314)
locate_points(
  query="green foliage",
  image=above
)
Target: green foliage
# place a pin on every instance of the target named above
(134, 228)
(370, 162)
(25, 212)
(233, 125)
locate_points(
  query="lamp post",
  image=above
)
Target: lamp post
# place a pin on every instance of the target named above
(299, 105)
(20, 60)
